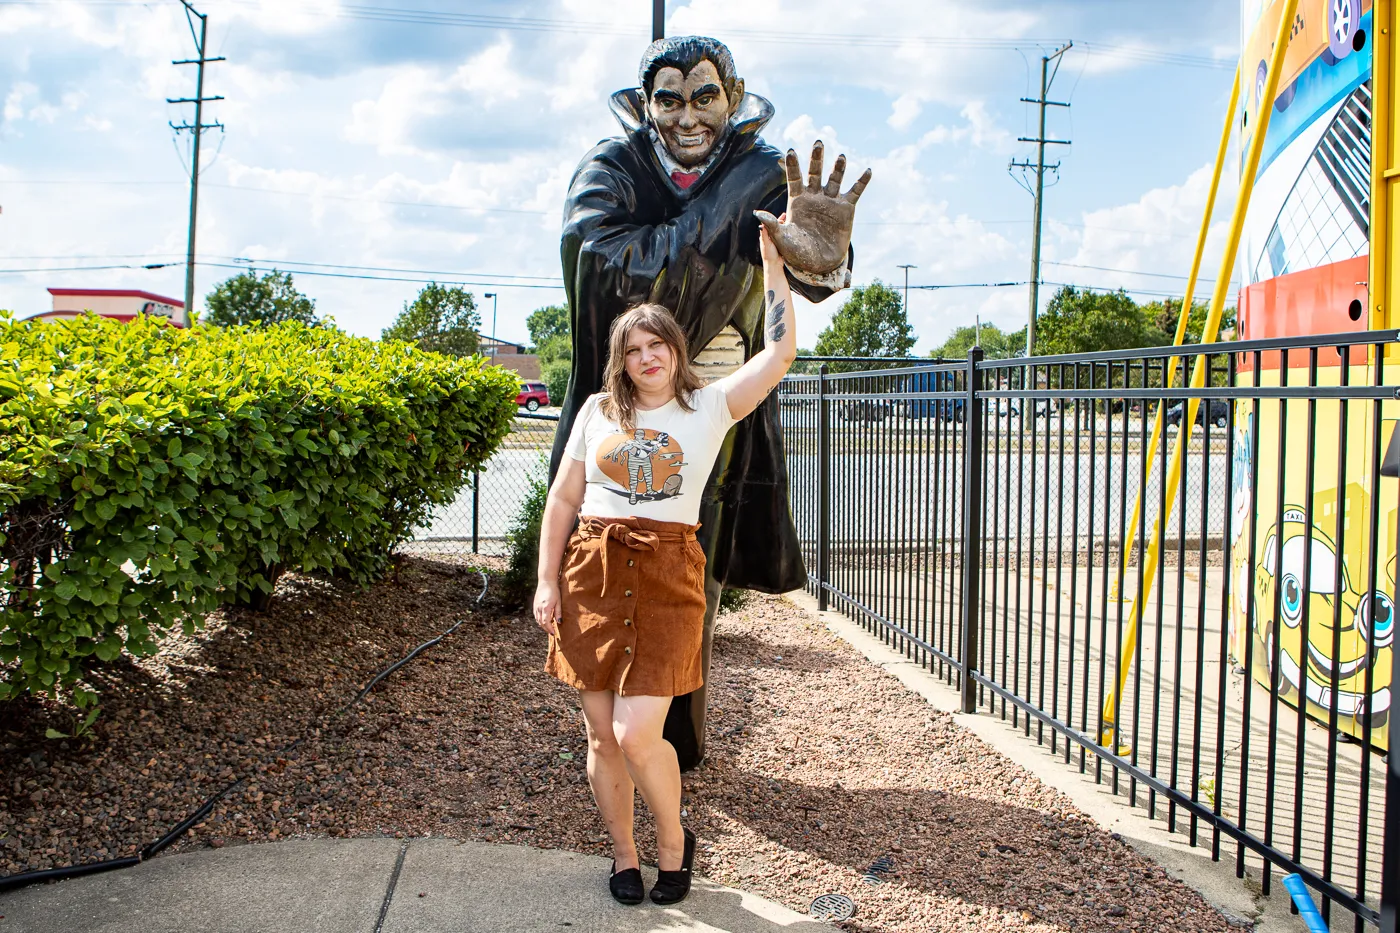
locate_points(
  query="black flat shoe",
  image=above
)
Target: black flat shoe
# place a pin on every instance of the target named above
(626, 885)
(672, 886)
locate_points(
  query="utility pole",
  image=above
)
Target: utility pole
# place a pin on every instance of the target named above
(658, 19)
(197, 130)
(1047, 77)
(906, 269)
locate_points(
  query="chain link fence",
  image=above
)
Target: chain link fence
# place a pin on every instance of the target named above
(478, 520)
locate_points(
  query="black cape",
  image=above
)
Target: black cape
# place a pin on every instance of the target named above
(631, 236)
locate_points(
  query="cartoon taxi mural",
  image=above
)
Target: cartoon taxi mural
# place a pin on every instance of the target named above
(1304, 263)
(1349, 630)
(1322, 36)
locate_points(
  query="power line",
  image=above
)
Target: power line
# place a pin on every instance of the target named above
(389, 278)
(967, 285)
(69, 182)
(281, 263)
(85, 268)
(1155, 275)
(440, 18)
(293, 265)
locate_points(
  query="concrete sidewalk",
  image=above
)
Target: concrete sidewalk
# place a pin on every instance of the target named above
(372, 885)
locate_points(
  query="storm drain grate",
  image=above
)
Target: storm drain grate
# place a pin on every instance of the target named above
(881, 866)
(833, 908)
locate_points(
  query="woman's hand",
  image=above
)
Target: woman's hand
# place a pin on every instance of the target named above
(768, 250)
(547, 611)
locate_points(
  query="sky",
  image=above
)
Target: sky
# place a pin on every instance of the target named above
(370, 148)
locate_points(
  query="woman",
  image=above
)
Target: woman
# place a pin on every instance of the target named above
(627, 617)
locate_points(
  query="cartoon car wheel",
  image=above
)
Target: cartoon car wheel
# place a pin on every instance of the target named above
(1260, 77)
(1343, 16)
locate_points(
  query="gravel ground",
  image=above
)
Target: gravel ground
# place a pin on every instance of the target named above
(818, 763)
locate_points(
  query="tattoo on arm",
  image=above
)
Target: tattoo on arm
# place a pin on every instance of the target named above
(776, 327)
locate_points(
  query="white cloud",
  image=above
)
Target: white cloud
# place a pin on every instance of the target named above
(1156, 233)
(981, 130)
(14, 101)
(904, 111)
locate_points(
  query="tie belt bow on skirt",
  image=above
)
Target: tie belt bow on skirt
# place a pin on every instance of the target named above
(632, 598)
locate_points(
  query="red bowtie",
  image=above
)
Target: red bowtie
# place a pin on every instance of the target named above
(684, 180)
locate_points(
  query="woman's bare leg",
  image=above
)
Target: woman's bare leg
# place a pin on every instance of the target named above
(609, 777)
(637, 723)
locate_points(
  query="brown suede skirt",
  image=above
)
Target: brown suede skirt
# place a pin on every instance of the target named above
(633, 605)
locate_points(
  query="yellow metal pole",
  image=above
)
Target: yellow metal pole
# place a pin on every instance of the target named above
(1384, 173)
(1109, 731)
(1169, 377)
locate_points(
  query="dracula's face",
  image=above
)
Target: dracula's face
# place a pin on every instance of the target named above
(691, 111)
(648, 361)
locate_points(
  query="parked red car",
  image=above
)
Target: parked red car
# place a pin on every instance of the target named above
(533, 395)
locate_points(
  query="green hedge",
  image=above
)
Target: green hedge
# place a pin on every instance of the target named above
(149, 473)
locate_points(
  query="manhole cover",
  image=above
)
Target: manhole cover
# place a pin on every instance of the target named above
(833, 908)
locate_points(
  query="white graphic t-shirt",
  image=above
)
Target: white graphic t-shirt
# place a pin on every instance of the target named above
(658, 470)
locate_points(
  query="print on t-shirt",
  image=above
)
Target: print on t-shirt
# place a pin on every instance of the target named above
(647, 465)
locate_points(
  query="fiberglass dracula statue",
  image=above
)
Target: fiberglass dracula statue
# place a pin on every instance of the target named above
(665, 214)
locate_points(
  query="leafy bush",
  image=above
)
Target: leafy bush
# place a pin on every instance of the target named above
(149, 473)
(523, 538)
(732, 599)
(556, 379)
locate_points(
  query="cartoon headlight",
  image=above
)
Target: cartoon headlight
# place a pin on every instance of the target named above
(1375, 619)
(1291, 599)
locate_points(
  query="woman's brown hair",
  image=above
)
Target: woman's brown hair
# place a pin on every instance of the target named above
(619, 405)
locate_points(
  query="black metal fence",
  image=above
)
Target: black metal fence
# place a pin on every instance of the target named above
(477, 521)
(1212, 635)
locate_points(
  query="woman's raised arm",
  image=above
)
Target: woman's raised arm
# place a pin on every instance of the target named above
(753, 381)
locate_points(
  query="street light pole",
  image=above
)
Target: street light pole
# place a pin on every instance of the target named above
(658, 19)
(492, 296)
(906, 269)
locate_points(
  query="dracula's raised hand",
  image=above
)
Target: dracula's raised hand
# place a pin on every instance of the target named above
(817, 234)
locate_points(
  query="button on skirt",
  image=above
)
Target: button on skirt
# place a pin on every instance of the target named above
(633, 604)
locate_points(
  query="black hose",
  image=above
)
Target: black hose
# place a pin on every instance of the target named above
(10, 882)
(23, 879)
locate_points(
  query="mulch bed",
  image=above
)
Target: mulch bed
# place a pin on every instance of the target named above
(819, 763)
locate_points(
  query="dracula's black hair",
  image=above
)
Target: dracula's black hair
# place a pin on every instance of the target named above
(684, 53)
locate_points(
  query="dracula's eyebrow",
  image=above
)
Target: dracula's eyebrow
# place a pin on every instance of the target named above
(662, 93)
(704, 90)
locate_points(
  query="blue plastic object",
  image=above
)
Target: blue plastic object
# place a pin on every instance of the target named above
(1302, 899)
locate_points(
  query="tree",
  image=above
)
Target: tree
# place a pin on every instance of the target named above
(247, 299)
(996, 345)
(1083, 321)
(555, 375)
(1165, 314)
(872, 322)
(549, 331)
(546, 323)
(442, 318)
